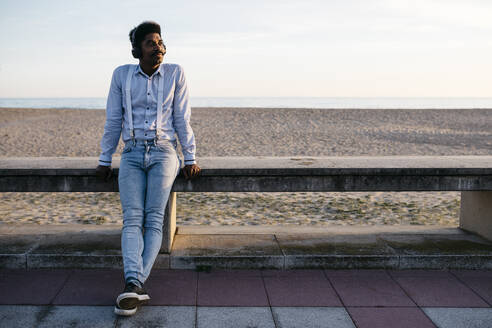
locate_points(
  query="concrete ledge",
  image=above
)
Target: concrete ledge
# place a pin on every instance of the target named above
(13, 261)
(341, 262)
(439, 262)
(265, 174)
(73, 261)
(227, 262)
(381, 247)
(226, 252)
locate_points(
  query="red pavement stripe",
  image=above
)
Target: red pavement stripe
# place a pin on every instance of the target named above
(436, 289)
(299, 288)
(31, 287)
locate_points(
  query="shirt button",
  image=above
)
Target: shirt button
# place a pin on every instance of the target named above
(146, 121)
(146, 134)
(148, 93)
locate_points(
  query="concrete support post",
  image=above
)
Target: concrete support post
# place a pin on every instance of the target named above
(169, 225)
(476, 212)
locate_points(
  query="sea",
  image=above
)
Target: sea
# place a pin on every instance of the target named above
(272, 102)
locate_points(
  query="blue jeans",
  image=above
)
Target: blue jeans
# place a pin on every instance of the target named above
(146, 176)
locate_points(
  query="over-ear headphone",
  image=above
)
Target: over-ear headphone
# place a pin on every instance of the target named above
(136, 51)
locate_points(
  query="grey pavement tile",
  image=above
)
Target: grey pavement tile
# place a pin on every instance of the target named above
(237, 317)
(79, 316)
(401, 317)
(20, 316)
(312, 317)
(160, 316)
(460, 317)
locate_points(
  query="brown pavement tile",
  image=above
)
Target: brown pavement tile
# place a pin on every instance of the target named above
(92, 287)
(31, 287)
(172, 287)
(367, 288)
(231, 288)
(401, 317)
(436, 288)
(478, 280)
(299, 288)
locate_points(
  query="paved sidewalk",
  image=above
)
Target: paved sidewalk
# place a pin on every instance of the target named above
(251, 298)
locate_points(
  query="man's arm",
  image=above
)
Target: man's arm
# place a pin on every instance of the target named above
(181, 119)
(112, 127)
(114, 119)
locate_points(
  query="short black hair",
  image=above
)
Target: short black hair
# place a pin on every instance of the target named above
(137, 34)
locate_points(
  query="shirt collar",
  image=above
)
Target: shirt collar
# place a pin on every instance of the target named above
(160, 70)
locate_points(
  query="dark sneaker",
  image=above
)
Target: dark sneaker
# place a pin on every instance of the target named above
(131, 297)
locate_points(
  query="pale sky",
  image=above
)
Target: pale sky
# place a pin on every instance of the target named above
(338, 48)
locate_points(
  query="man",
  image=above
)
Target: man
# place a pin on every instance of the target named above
(147, 104)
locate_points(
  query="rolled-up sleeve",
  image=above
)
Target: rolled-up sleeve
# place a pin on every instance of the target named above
(114, 120)
(181, 118)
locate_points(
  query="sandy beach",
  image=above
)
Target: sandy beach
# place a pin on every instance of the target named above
(257, 132)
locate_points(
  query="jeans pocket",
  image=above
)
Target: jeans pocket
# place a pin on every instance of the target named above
(166, 146)
(128, 148)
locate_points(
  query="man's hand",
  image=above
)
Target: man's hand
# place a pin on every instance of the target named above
(191, 171)
(104, 172)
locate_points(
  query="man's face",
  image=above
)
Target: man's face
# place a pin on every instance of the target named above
(152, 49)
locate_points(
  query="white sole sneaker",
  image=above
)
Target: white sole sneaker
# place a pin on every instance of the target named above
(130, 300)
(124, 312)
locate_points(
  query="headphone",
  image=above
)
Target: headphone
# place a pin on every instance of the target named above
(136, 51)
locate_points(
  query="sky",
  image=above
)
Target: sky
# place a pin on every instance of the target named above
(336, 48)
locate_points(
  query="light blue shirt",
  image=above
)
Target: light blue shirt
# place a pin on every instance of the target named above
(176, 110)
